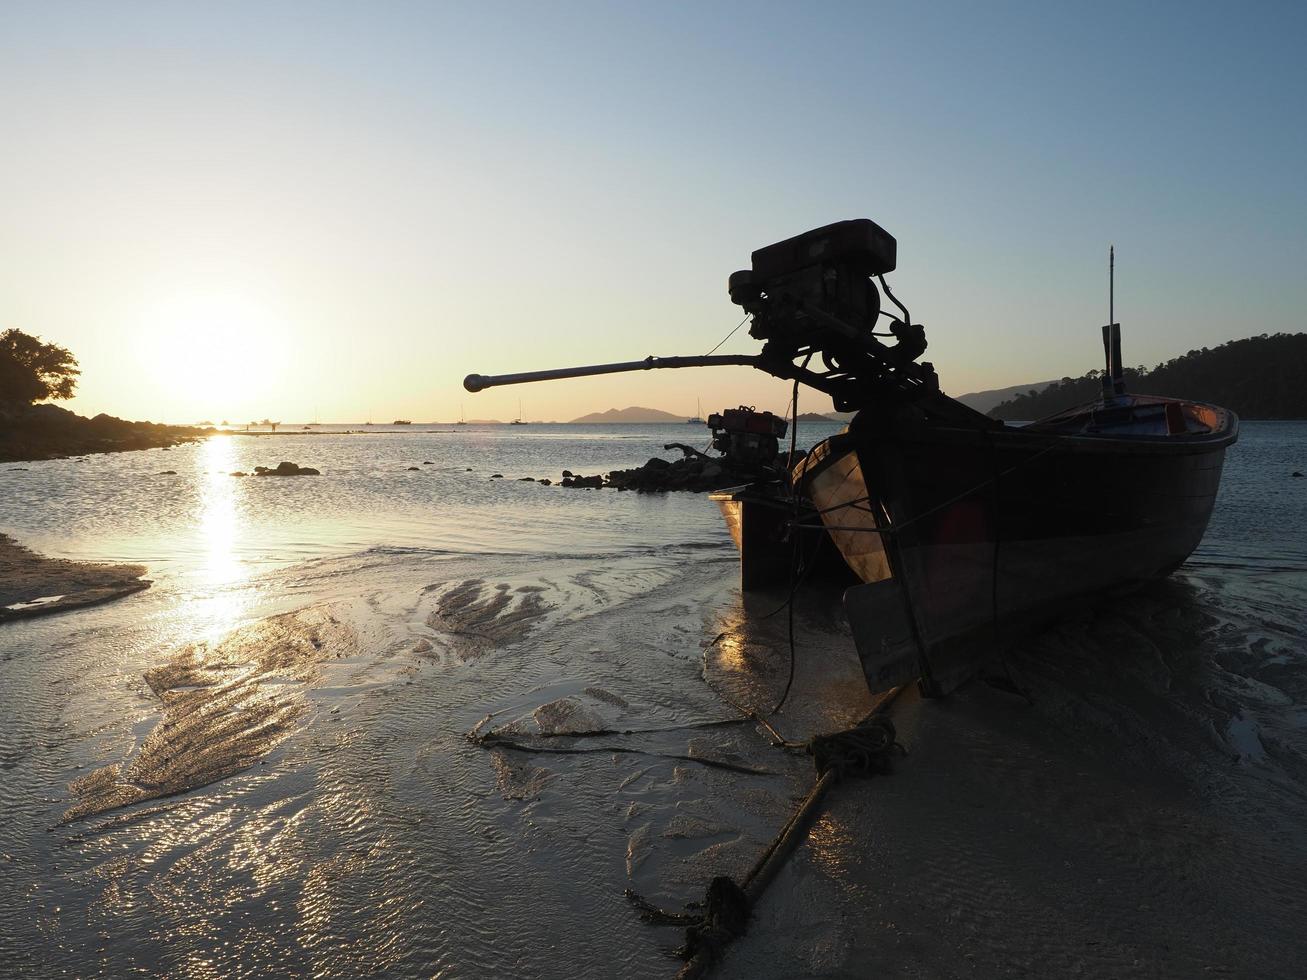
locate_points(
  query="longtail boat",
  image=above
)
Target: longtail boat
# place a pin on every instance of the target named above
(964, 532)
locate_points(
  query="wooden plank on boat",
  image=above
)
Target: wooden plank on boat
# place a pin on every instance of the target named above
(882, 634)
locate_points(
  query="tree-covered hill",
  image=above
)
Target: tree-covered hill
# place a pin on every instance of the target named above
(1258, 378)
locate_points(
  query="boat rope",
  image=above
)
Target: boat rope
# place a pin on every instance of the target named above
(867, 749)
(494, 740)
(476, 738)
(602, 732)
(903, 525)
(728, 336)
(748, 714)
(796, 495)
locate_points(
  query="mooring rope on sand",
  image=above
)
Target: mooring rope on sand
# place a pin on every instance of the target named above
(496, 741)
(867, 749)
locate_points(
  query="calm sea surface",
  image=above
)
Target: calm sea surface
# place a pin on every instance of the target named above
(365, 834)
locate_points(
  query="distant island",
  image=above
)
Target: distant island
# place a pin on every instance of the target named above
(1262, 377)
(986, 401)
(633, 414)
(636, 414)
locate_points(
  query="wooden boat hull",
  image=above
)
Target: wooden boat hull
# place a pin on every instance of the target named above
(967, 539)
(759, 518)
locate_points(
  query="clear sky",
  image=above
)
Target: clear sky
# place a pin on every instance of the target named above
(232, 210)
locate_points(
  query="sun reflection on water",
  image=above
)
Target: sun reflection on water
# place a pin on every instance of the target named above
(218, 521)
(218, 527)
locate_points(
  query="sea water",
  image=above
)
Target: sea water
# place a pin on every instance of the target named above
(351, 629)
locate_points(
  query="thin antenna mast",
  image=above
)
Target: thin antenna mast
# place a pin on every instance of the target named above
(1111, 284)
(1113, 379)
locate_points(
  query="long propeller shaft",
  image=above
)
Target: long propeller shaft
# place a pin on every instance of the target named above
(479, 382)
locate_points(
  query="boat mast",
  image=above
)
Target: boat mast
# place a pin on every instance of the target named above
(1113, 380)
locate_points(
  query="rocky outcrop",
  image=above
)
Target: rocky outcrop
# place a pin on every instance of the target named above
(286, 468)
(696, 474)
(51, 432)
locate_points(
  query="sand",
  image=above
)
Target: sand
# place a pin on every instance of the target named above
(225, 707)
(32, 585)
(1109, 820)
(1138, 815)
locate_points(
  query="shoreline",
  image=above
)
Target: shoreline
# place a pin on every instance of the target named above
(44, 432)
(33, 585)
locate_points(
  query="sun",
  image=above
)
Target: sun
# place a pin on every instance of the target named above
(214, 355)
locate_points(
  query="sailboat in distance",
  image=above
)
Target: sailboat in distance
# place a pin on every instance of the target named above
(461, 419)
(698, 415)
(518, 420)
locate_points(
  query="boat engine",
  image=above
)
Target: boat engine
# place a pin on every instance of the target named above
(813, 296)
(747, 437)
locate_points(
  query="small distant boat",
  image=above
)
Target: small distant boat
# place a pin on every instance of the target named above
(698, 414)
(461, 419)
(401, 422)
(518, 420)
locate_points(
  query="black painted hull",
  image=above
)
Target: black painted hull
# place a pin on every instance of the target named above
(967, 539)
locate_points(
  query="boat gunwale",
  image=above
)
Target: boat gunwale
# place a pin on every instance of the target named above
(1025, 437)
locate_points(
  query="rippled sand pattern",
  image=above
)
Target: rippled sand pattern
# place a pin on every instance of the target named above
(225, 707)
(478, 617)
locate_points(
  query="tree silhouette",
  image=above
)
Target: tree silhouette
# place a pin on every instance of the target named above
(32, 371)
(1257, 377)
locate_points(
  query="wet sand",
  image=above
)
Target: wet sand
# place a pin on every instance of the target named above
(1109, 829)
(32, 585)
(1109, 821)
(270, 773)
(224, 707)
(999, 849)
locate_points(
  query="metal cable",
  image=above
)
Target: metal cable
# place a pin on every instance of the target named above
(728, 336)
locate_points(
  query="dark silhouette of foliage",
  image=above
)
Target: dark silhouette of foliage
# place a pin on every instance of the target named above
(33, 371)
(1258, 377)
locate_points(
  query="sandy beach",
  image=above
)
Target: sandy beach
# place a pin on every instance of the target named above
(263, 761)
(31, 585)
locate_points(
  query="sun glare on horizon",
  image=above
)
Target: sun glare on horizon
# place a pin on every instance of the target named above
(209, 356)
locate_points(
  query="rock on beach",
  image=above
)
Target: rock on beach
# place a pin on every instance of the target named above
(286, 468)
(696, 474)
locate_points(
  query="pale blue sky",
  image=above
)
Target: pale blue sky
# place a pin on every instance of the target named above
(249, 210)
